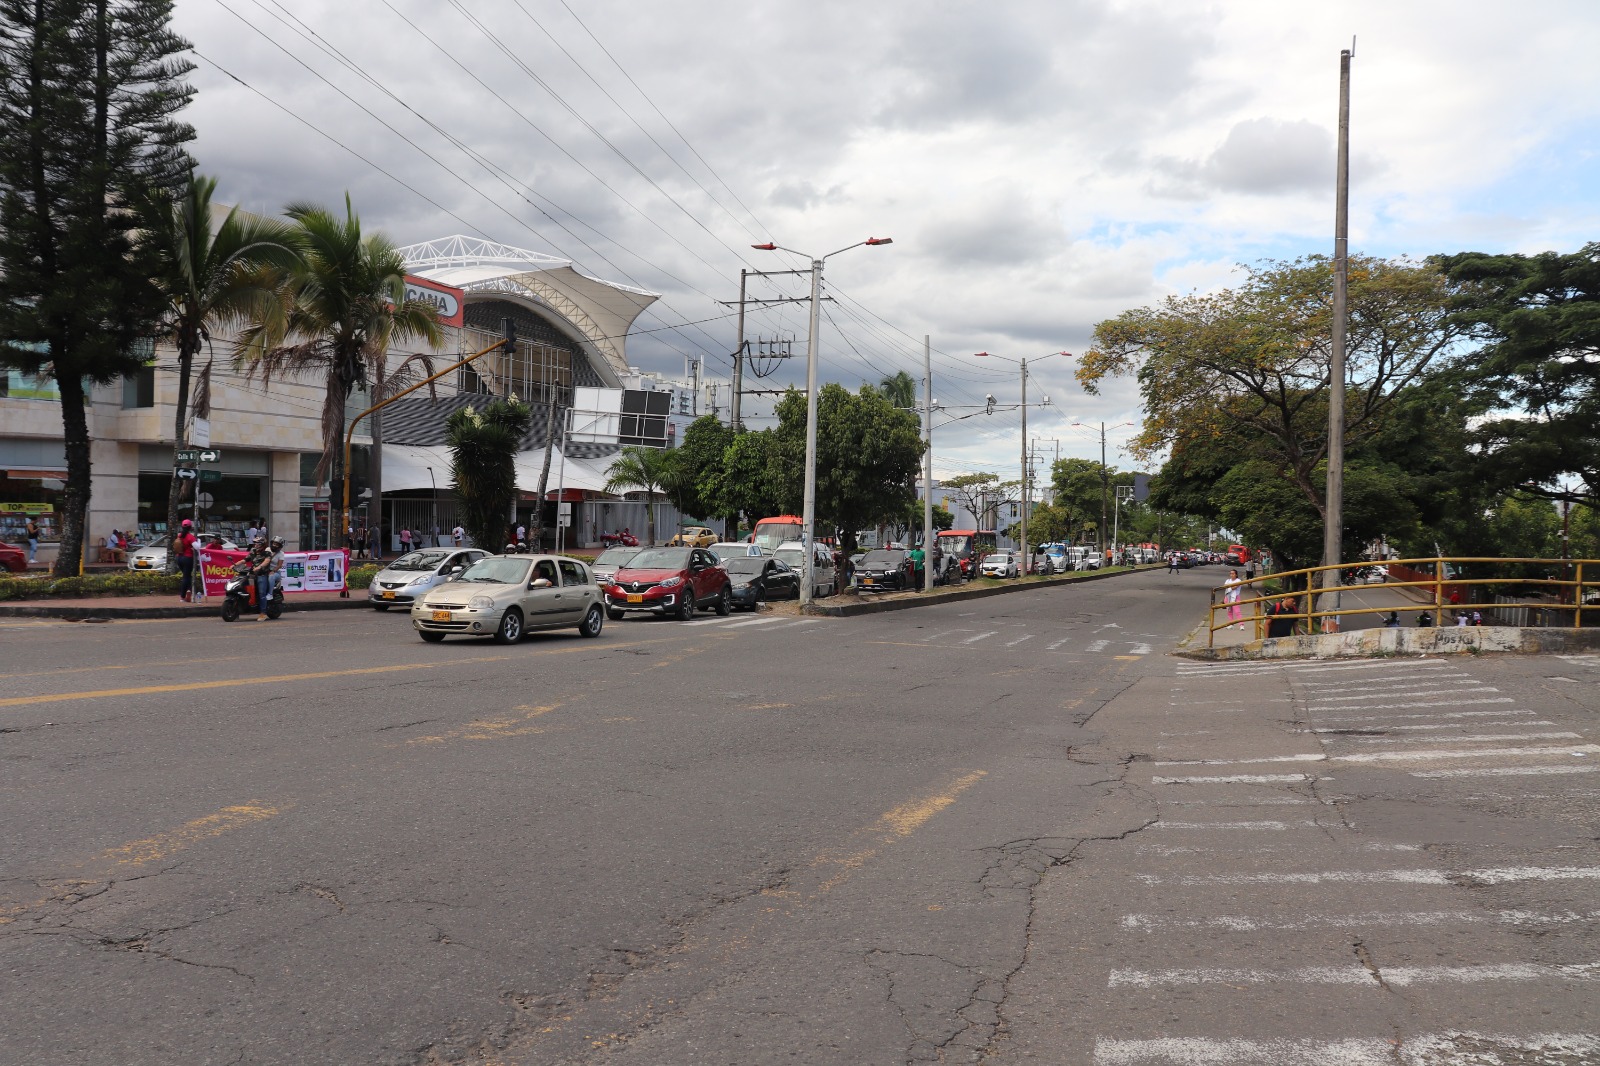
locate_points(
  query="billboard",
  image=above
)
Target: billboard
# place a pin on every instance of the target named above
(449, 302)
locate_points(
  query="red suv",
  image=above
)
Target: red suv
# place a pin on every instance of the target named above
(669, 581)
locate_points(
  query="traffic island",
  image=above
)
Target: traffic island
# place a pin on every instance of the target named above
(901, 601)
(1381, 643)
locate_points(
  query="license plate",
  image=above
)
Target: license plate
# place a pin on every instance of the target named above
(141, 565)
(441, 616)
(866, 581)
(388, 594)
(632, 598)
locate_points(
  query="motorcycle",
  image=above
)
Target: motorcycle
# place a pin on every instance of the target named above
(241, 594)
(612, 540)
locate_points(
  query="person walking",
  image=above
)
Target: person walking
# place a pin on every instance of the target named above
(405, 539)
(459, 534)
(1230, 596)
(33, 540)
(1172, 562)
(183, 544)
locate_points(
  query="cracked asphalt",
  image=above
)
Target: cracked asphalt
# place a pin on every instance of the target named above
(1006, 830)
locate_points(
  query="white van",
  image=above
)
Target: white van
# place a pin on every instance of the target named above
(824, 578)
(1083, 557)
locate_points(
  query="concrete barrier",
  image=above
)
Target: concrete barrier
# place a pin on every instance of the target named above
(1446, 640)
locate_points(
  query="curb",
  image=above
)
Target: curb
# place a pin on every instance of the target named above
(925, 600)
(83, 613)
(1394, 643)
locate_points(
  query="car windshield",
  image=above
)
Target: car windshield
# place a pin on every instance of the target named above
(792, 556)
(419, 561)
(660, 559)
(882, 559)
(615, 556)
(497, 571)
(745, 564)
(1000, 557)
(956, 545)
(159, 542)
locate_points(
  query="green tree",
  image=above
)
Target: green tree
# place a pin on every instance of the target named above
(483, 466)
(212, 275)
(1538, 370)
(868, 455)
(900, 389)
(1250, 365)
(91, 152)
(746, 482)
(646, 469)
(346, 306)
(700, 457)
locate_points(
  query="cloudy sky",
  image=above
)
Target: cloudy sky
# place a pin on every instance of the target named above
(1040, 166)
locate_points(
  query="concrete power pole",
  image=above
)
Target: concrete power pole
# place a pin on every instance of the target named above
(927, 461)
(1333, 524)
(738, 358)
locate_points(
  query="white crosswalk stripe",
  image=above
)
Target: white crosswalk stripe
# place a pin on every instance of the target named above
(1451, 1048)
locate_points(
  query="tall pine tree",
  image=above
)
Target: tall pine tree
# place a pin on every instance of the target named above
(91, 151)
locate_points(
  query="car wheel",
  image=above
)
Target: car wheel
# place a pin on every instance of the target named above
(592, 622)
(230, 609)
(724, 602)
(614, 615)
(510, 630)
(430, 636)
(380, 607)
(686, 606)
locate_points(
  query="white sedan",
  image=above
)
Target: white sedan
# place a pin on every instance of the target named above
(153, 556)
(999, 564)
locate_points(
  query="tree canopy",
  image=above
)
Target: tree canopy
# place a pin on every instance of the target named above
(483, 454)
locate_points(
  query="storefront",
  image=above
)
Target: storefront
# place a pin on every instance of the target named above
(236, 493)
(31, 494)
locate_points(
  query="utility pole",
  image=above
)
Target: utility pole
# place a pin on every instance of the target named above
(1023, 539)
(927, 461)
(738, 357)
(1333, 524)
(1105, 479)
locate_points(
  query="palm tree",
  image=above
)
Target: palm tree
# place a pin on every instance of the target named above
(212, 275)
(346, 306)
(483, 465)
(648, 469)
(900, 389)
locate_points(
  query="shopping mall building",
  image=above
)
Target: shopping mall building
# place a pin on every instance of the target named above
(571, 349)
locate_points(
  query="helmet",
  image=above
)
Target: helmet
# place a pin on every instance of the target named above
(187, 523)
(277, 542)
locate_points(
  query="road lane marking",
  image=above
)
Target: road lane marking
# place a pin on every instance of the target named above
(1306, 667)
(1429, 714)
(164, 845)
(1234, 779)
(1384, 721)
(1452, 1048)
(1096, 645)
(1239, 923)
(1443, 675)
(1467, 739)
(801, 622)
(1019, 640)
(1406, 692)
(1057, 644)
(1387, 728)
(1356, 974)
(141, 665)
(1500, 875)
(751, 622)
(1278, 826)
(893, 825)
(1327, 705)
(1385, 756)
(980, 636)
(514, 724)
(1139, 648)
(1507, 771)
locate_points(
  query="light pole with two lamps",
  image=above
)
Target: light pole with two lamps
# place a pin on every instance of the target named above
(808, 517)
(1022, 539)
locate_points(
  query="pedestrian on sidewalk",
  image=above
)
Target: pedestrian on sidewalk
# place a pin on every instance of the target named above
(1230, 596)
(459, 534)
(405, 539)
(33, 540)
(183, 544)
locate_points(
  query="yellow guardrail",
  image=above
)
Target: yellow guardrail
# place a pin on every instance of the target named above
(1439, 587)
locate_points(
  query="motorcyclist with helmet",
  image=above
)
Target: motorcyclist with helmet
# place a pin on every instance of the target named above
(266, 567)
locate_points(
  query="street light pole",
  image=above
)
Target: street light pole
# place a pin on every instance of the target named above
(1023, 530)
(435, 527)
(1333, 512)
(927, 462)
(808, 517)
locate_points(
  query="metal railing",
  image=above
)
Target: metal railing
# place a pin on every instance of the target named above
(1439, 585)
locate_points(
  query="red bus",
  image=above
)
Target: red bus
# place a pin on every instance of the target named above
(969, 546)
(771, 532)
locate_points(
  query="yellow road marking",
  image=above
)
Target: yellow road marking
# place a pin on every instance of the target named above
(194, 686)
(894, 824)
(765, 706)
(152, 849)
(919, 644)
(512, 725)
(125, 666)
(1127, 658)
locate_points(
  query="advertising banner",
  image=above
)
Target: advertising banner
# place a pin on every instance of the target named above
(448, 301)
(302, 571)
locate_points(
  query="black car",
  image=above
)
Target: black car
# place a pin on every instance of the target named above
(886, 569)
(761, 577)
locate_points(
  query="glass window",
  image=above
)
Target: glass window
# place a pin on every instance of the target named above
(572, 573)
(139, 389)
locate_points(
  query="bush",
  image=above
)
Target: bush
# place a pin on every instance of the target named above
(120, 583)
(360, 577)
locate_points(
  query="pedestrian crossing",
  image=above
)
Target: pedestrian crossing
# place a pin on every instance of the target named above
(1092, 642)
(1275, 937)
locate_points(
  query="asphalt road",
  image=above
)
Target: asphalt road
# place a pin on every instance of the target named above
(982, 831)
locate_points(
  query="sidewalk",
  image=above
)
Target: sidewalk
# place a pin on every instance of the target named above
(166, 606)
(1381, 597)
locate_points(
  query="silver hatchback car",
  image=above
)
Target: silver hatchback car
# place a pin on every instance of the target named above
(505, 596)
(414, 573)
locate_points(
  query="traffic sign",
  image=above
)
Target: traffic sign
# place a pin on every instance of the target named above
(210, 455)
(189, 455)
(204, 500)
(207, 476)
(186, 473)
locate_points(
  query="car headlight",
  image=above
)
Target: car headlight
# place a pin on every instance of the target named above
(672, 582)
(481, 603)
(741, 586)
(421, 579)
